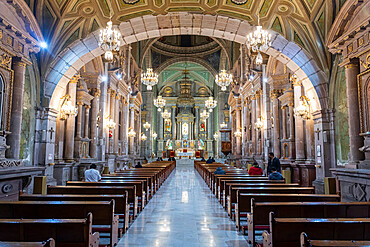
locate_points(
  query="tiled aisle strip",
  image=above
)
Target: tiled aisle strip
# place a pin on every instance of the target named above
(183, 212)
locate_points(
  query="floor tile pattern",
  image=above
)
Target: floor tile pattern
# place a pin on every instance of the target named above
(183, 212)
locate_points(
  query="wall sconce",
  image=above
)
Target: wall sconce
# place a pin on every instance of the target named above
(111, 124)
(131, 132)
(67, 109)
(223, 125)
(154, 135)
(216, 136)
(146, 126)
(303, 109)
(143, 137)
(259, 124)
(238, 133)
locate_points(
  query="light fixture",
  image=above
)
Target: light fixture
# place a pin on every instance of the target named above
(223, 79)
(258, 39)
(159, 102)
(68, 109)
(131, 133)
(146, 126)
(238, 133)
(166, 114)
(43, 45)
(154, 135)
(111, 124)
(216, 136)
(204, 115)
(149, 78)
(143, 137)
(109, 40)
(223, 125)
(303, 109)
(258, 125)
(119, 76)
(210, 103)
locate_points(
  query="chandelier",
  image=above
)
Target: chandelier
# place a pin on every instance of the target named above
(154, 135)
(159, 102)
(303, 109)
(68, 109)
(223, 125)
(111, 124)
(143, 137)
(223, 79)
(238, 133)
(131, 133)
(149, 78)
(146, 126)
(258, 125)
(257, 40)
(210, 103)
(109, 40)
(166, 114)
(204, 115)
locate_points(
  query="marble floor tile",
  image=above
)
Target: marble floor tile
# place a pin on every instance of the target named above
(183, 213)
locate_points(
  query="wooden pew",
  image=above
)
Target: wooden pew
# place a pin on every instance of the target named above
(220, 178)
(65, 232)
(155, 177)
(306, 242)
(231, 199)
(104, 219)
(122, 209)
(150, 181)
(243, 203)
(99, 190)
(139, 184)
(48, 243)
(258, 218)
(285, 232)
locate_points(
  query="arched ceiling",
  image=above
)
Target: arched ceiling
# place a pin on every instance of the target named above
(306, 22)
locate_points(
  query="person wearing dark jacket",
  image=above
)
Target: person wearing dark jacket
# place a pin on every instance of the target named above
(138, 165)
(202, 159)
(219, 171)
(275, 175)
(255, 169)
(209, 161)
(273, 162)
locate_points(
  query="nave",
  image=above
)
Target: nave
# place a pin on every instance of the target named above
(183, 212)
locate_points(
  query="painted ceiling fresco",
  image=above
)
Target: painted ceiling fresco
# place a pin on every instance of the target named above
(305, 22)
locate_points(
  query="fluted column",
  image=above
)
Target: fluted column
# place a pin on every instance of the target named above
(291, 130)
(70, 123)
(86, 124)
(79, 121)
(238, 125)
(355, 140)
(93, 128)
(132, 123)
(299, 131)
(196, 129)
(275, 109)
(125, 121)
(116, 120)
(283, 116)
(14, 138)
(173, 116)
(254, 132)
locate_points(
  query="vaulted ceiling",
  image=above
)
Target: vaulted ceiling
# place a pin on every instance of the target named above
(306, 22)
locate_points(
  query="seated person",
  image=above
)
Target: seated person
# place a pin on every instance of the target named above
(255, 169)
(213, 159)
(92, 175)
(219, 171)
(209, 161)
(202, 159)
(138, 165)
(275, 175)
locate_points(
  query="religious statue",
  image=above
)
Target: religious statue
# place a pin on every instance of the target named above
(202, 127)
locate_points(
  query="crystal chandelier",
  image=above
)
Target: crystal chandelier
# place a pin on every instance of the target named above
(143, 137)
(303, 109)
(111, 124)
(149, 78)
(204, 115)
(258, 125)
(109, 40)
(223, 79)
(67, 109)
(166, 114)
(154, 135)
(131, 133)
(238, 133)
(146, 126)
(210, 103)
(223, 125)
(259, 39)
(159, 102)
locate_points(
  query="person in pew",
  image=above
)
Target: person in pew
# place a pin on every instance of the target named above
(275, 175)
(92, 175)
(213, 159)
(255, 169)
(203, 159)
(220, 171)
(273, 162)
(138, 165)
(209, 161)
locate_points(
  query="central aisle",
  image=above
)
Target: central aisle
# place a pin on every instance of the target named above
(183, 212)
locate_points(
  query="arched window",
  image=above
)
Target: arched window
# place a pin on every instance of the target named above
(2, 92)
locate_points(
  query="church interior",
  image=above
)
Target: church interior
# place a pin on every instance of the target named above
(172, 103)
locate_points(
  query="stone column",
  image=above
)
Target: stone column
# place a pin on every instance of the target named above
(14, 139)
(310, 140)
(299, 129)
(70, 123)
(355, 140)
(275, 110)
(116, 120)
(173, 116)
(209, 135)
(238, 125)
(196, 129)
(93, 128)
(132, 123)
(125, 120)
(291, 130)
(253, 109)
(79, 121)
(160, 146)
(122, 128)
(283, 116)
(87, 124)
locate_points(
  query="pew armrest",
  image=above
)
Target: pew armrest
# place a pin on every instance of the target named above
(267, 239)
(94, 239)
(251, 238)
(115, 230)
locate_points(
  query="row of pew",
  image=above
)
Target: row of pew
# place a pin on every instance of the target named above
(274, 213)
(87, 214)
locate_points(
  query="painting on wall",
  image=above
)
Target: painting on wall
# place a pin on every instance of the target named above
(167, 125)
(202, 126)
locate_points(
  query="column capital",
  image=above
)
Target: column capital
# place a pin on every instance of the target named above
(75, 79)
(87, 106)
(79, 103)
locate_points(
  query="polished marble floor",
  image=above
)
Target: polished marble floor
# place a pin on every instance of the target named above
(183, 213)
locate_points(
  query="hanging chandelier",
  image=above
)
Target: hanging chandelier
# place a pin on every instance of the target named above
(238, 133)
(131, 133)
(67, 109)
(204, 115)
(146, 126)
(224, 79)
(109, 40)
(303, 109)
(159, 102)
(111, 124)
(143, 137)
(210, 103)
(166, 114)
(259, 39)
(258, 125)
(154, 135)
(223, 125)
(149, 78)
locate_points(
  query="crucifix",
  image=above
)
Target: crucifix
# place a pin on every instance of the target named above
(318, 134)
(51, 133)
